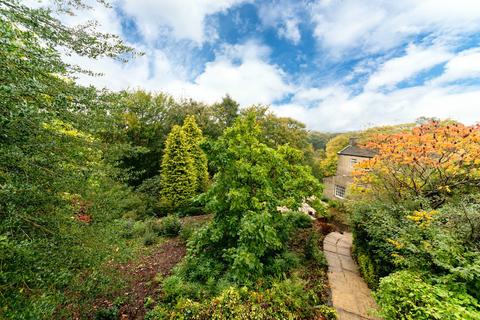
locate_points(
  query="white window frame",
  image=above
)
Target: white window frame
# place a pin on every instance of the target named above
(340, 191)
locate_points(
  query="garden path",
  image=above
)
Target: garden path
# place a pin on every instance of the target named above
(351, 296)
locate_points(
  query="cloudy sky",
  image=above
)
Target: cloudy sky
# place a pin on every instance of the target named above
(336, 65)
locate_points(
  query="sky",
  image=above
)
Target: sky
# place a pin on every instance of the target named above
(336, 65)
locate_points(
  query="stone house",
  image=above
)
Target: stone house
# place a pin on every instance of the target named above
(336, 186)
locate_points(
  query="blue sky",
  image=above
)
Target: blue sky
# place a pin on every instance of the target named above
(336, 65)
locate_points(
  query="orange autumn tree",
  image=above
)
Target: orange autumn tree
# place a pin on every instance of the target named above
(434, 161)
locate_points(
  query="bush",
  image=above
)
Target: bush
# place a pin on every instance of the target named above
(405, 295)
(320, 207)
(150, 191)
(139, 228)
(127, 230)
(107, 314)
(170, 226)
(187, 232)
(286, 299)
(149, 238)
(432, 243)
(367, 270)
(313, 252)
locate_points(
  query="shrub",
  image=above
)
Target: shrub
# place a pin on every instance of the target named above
(286, 299)
(107, 313)
(126, 228)
(194, 138)
(170, 226)
(405, 295)
(320, 207)
(150, 190)
(312, 250)
(139, 228)
(367, 270)
(149, 238)
(187, 232)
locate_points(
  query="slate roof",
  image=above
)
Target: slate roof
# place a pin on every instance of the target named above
(356, 152)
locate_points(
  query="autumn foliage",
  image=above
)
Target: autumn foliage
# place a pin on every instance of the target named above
(433, 161)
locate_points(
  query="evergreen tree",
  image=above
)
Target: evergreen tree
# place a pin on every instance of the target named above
(194, 138)
(178, 177)
(248, 236)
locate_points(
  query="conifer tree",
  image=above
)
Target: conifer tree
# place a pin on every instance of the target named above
(194, 137)
(178, 177)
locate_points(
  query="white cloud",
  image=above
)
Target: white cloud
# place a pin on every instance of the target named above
(374, 25)
(290, 31)
(185, 18)
(240, 70)
(340, 25)
(284, 16)
(466, 65)
(402, 68)
(340, 112)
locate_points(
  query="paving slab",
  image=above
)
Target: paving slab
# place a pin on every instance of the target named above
(351, 296)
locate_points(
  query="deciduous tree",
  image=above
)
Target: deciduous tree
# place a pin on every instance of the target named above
(434, 160)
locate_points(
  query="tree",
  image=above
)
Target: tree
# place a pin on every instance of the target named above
(226, 111)
(434, 160)
(319, 139)
(248, 236)
(50, 157)
(178, 176)
(194, 138)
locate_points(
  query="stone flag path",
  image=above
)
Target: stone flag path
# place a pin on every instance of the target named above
(351, 296)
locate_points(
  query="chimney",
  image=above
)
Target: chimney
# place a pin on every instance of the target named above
(353, 141)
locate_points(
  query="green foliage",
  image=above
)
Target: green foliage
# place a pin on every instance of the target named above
(170, 226)
(286, 299)
(367, 269)
(66, 152)
(59, 200)
(184, 167)
(280, 131)
(248, 234)
(313, 250)
(433, 245)
(405, 295)
(335, 145)
(150, 191)
(178, 177)
(319, 140)
(321, 207)
(194, 138)
(107, 314)
(149, 238)
(139, 123)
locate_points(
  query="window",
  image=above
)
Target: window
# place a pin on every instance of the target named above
(353, 162)
(339, 191)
